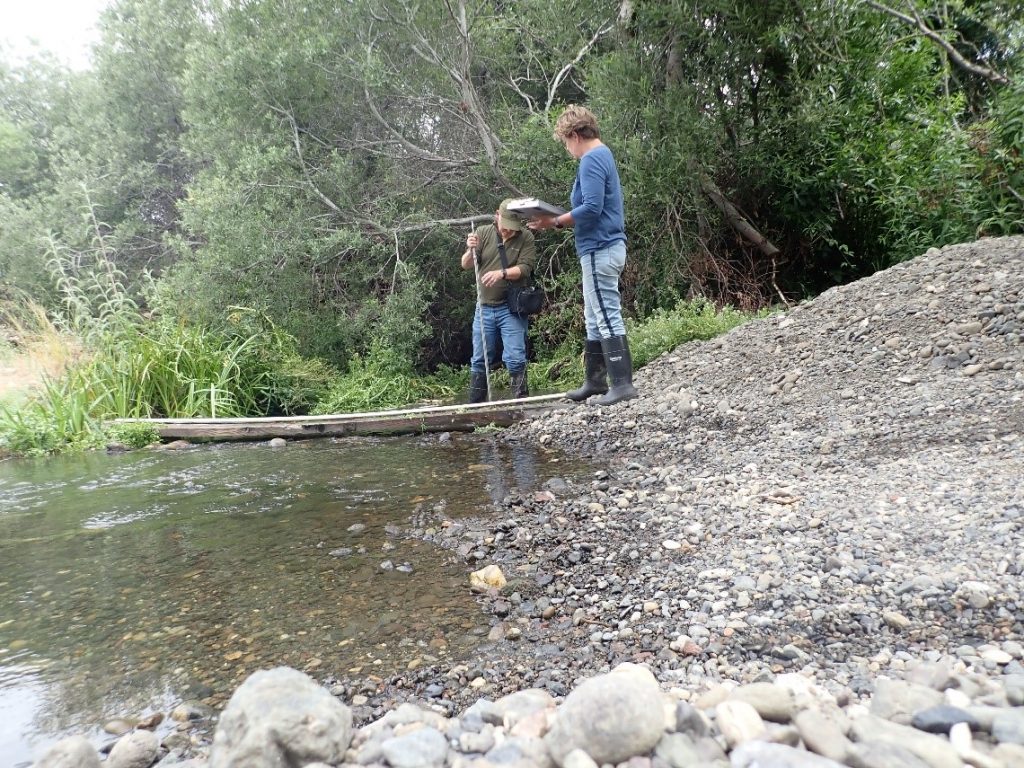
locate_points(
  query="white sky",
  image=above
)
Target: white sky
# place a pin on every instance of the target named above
(64, 27)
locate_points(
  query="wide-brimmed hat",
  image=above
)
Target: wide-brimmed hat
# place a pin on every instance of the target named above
(508, 219)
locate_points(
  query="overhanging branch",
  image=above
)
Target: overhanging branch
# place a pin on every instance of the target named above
(736, 219)
(955, 56)
(302, 162)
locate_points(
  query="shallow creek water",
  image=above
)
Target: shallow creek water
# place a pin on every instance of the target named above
(131, 583)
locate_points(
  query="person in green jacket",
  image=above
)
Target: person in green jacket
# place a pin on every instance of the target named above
(492, 313)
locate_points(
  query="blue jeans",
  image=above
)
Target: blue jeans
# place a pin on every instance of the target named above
(602, 306)
(497, 319)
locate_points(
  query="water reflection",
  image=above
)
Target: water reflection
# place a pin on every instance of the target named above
(148, 579)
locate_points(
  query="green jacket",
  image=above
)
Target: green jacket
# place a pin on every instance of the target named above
(519, 251)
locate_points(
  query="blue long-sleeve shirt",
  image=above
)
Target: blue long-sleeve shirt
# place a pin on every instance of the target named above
(597, 202)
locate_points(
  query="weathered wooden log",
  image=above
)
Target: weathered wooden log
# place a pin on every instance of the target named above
(446, 418)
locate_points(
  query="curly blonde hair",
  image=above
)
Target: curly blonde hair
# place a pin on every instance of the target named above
(576, 120)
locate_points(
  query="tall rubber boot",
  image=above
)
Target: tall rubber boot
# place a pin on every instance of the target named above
(595, 381)
(620, 371)
(518, 384)
(477, 387)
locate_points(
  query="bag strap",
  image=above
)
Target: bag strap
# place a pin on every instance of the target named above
(504, 264)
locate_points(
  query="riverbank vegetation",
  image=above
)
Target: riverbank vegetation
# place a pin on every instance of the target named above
(263, 207)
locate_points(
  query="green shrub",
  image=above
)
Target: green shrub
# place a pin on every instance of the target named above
(380, 380)
(662, 331)
(133, 434)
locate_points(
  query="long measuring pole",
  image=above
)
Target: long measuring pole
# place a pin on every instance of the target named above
(480, 314)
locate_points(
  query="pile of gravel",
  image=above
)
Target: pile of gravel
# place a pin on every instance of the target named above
(808, 530)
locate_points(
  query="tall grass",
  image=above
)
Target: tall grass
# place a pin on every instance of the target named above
(661, 332)
(141, 367)
(383, 379)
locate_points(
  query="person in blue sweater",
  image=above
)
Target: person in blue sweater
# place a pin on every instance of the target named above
(599, 226)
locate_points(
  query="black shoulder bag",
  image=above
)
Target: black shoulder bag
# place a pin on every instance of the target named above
(523, 300)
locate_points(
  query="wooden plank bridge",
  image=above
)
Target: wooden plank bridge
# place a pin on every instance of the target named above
(463, 417)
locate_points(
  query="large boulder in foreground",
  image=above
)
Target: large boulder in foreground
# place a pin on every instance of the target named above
(610, 717)
(73, 752)
(280, 718)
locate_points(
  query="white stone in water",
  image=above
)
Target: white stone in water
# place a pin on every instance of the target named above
(490, 577)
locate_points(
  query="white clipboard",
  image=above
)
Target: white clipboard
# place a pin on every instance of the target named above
(532, 206)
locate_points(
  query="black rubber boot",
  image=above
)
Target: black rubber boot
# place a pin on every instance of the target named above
(620, 371)
(596, 378)
(477, 387)
(518, 384)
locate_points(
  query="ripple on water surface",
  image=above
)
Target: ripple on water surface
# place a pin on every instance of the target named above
(141, 580)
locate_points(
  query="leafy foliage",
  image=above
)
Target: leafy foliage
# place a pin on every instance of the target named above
(382, 379)
(160, 367)
(319, 165)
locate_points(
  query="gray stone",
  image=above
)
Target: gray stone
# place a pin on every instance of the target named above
(710, 751)
(578, 759)
(772, 702)
(822, 734)
(678, 750)
(610, 717)
(521, 750)
(1014, 687)
(516, 706)
(1010, 755)
(738, 722)
(419, 749)
(934, 750)
(486, 710)
(761, 754)
(1008, 726)
(690, 721)
(880, 754)
(941, 718)
(137, 749)
(985, 716)
(898, 700)
(931, 675)
(280, 717)
(73, 752)
(191, 710)
(477, 742)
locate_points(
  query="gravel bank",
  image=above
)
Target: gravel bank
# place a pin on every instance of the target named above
(809, 530)
(836, 490)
